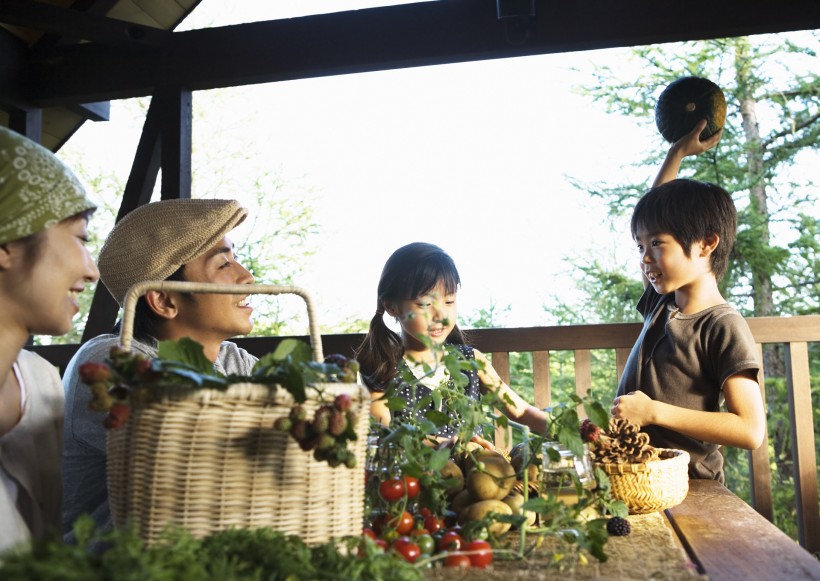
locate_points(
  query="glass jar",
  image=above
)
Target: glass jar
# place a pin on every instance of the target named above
(382, 462)
(558, 476)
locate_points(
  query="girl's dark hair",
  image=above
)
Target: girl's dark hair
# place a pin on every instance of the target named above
(690, 211)
(410, 272)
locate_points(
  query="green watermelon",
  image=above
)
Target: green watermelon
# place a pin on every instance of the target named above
(686, 101)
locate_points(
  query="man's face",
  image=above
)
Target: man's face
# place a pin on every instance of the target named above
(215, 317)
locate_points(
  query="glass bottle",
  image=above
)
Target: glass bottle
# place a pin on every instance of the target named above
(558, 477)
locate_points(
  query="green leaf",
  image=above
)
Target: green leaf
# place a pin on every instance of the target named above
(395, 404)
(297, 350)
(186, 351)
(439, 459)
(294, 382)
(597, 414)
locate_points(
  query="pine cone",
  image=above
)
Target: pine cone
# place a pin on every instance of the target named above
(623, 443)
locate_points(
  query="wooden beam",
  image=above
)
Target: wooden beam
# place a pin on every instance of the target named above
(411, 35)
(12, 64)
(27, 122)
(138, 189)
(66, 22)
(177, 128)
(99, 111)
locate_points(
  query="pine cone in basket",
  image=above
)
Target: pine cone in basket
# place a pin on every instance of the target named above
(623, 443)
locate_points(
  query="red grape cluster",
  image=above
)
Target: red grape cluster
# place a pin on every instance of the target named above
(327, 433)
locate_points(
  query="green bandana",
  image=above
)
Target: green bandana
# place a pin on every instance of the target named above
(36, 189)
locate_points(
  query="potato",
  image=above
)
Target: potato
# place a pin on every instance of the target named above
(517, 461)
(482, 508)
(515, 501)
(468, 464)
(494, 481)
(461, 500)
(451, 470)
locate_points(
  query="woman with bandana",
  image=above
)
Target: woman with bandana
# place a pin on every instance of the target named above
(44, 265)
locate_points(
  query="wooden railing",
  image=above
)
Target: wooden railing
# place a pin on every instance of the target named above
(794, 333)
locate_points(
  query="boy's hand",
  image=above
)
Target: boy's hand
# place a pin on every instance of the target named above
(690, 144)
(635, 406)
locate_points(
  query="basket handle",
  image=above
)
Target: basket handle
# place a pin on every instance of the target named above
(139, 289)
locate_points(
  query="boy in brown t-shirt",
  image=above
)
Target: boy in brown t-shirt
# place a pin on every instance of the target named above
(695, 352)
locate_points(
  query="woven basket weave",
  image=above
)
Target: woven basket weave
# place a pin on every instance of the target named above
(209, 460)
(651, 486)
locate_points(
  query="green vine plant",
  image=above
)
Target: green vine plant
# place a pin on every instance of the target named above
(418, 453)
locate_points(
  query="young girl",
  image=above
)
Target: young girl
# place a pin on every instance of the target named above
(418, 288)
(44, 264)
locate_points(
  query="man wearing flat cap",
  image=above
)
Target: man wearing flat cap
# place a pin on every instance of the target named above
(168, 240)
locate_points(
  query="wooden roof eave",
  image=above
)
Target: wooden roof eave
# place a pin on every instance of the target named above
(391, 37)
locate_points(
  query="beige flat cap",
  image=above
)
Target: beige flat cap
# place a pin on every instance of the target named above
(153, 241)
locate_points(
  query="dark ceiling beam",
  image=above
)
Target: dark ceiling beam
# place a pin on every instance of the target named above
(394, 37)
(12, 63)
(80, 25)
(100, 111)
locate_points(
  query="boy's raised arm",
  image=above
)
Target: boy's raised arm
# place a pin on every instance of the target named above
(689, 144)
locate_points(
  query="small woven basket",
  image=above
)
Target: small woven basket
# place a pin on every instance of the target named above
(208, 460)
(651, 486)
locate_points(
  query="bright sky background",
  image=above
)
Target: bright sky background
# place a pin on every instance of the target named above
(473, 157)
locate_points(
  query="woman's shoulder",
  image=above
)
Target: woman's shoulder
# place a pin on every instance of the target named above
(38, 371)
(31, 362)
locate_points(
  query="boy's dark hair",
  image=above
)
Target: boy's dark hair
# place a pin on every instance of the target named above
(146, 320)
(690, 211)
(411, 271)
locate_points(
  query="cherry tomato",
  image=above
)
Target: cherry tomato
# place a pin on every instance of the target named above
(450, 541)
(403, 523)
(407, 549)
(392, 489)
(426, 543)
(425, 512)
(481, 553)
(382, 543)
(419, 531)
(457, 560)
(411, 486)
(433, 524)
(368, 532)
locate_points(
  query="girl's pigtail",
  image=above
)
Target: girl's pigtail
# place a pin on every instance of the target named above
(379, 354)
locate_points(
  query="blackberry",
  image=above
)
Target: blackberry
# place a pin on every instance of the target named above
(337, 359)
(618, 526)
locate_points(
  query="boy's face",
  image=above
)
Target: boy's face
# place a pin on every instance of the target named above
(215, 317)
(665, 264)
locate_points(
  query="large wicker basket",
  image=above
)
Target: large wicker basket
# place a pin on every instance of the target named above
(651, 486)
(208, 460)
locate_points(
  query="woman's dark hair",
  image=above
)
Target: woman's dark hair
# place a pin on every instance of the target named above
(690, 211)
(33, 243)
(411, 271)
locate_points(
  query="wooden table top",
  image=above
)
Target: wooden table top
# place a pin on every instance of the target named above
(713, 534)
(727, 539)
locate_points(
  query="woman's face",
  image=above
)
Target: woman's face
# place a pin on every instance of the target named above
(45, 292)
